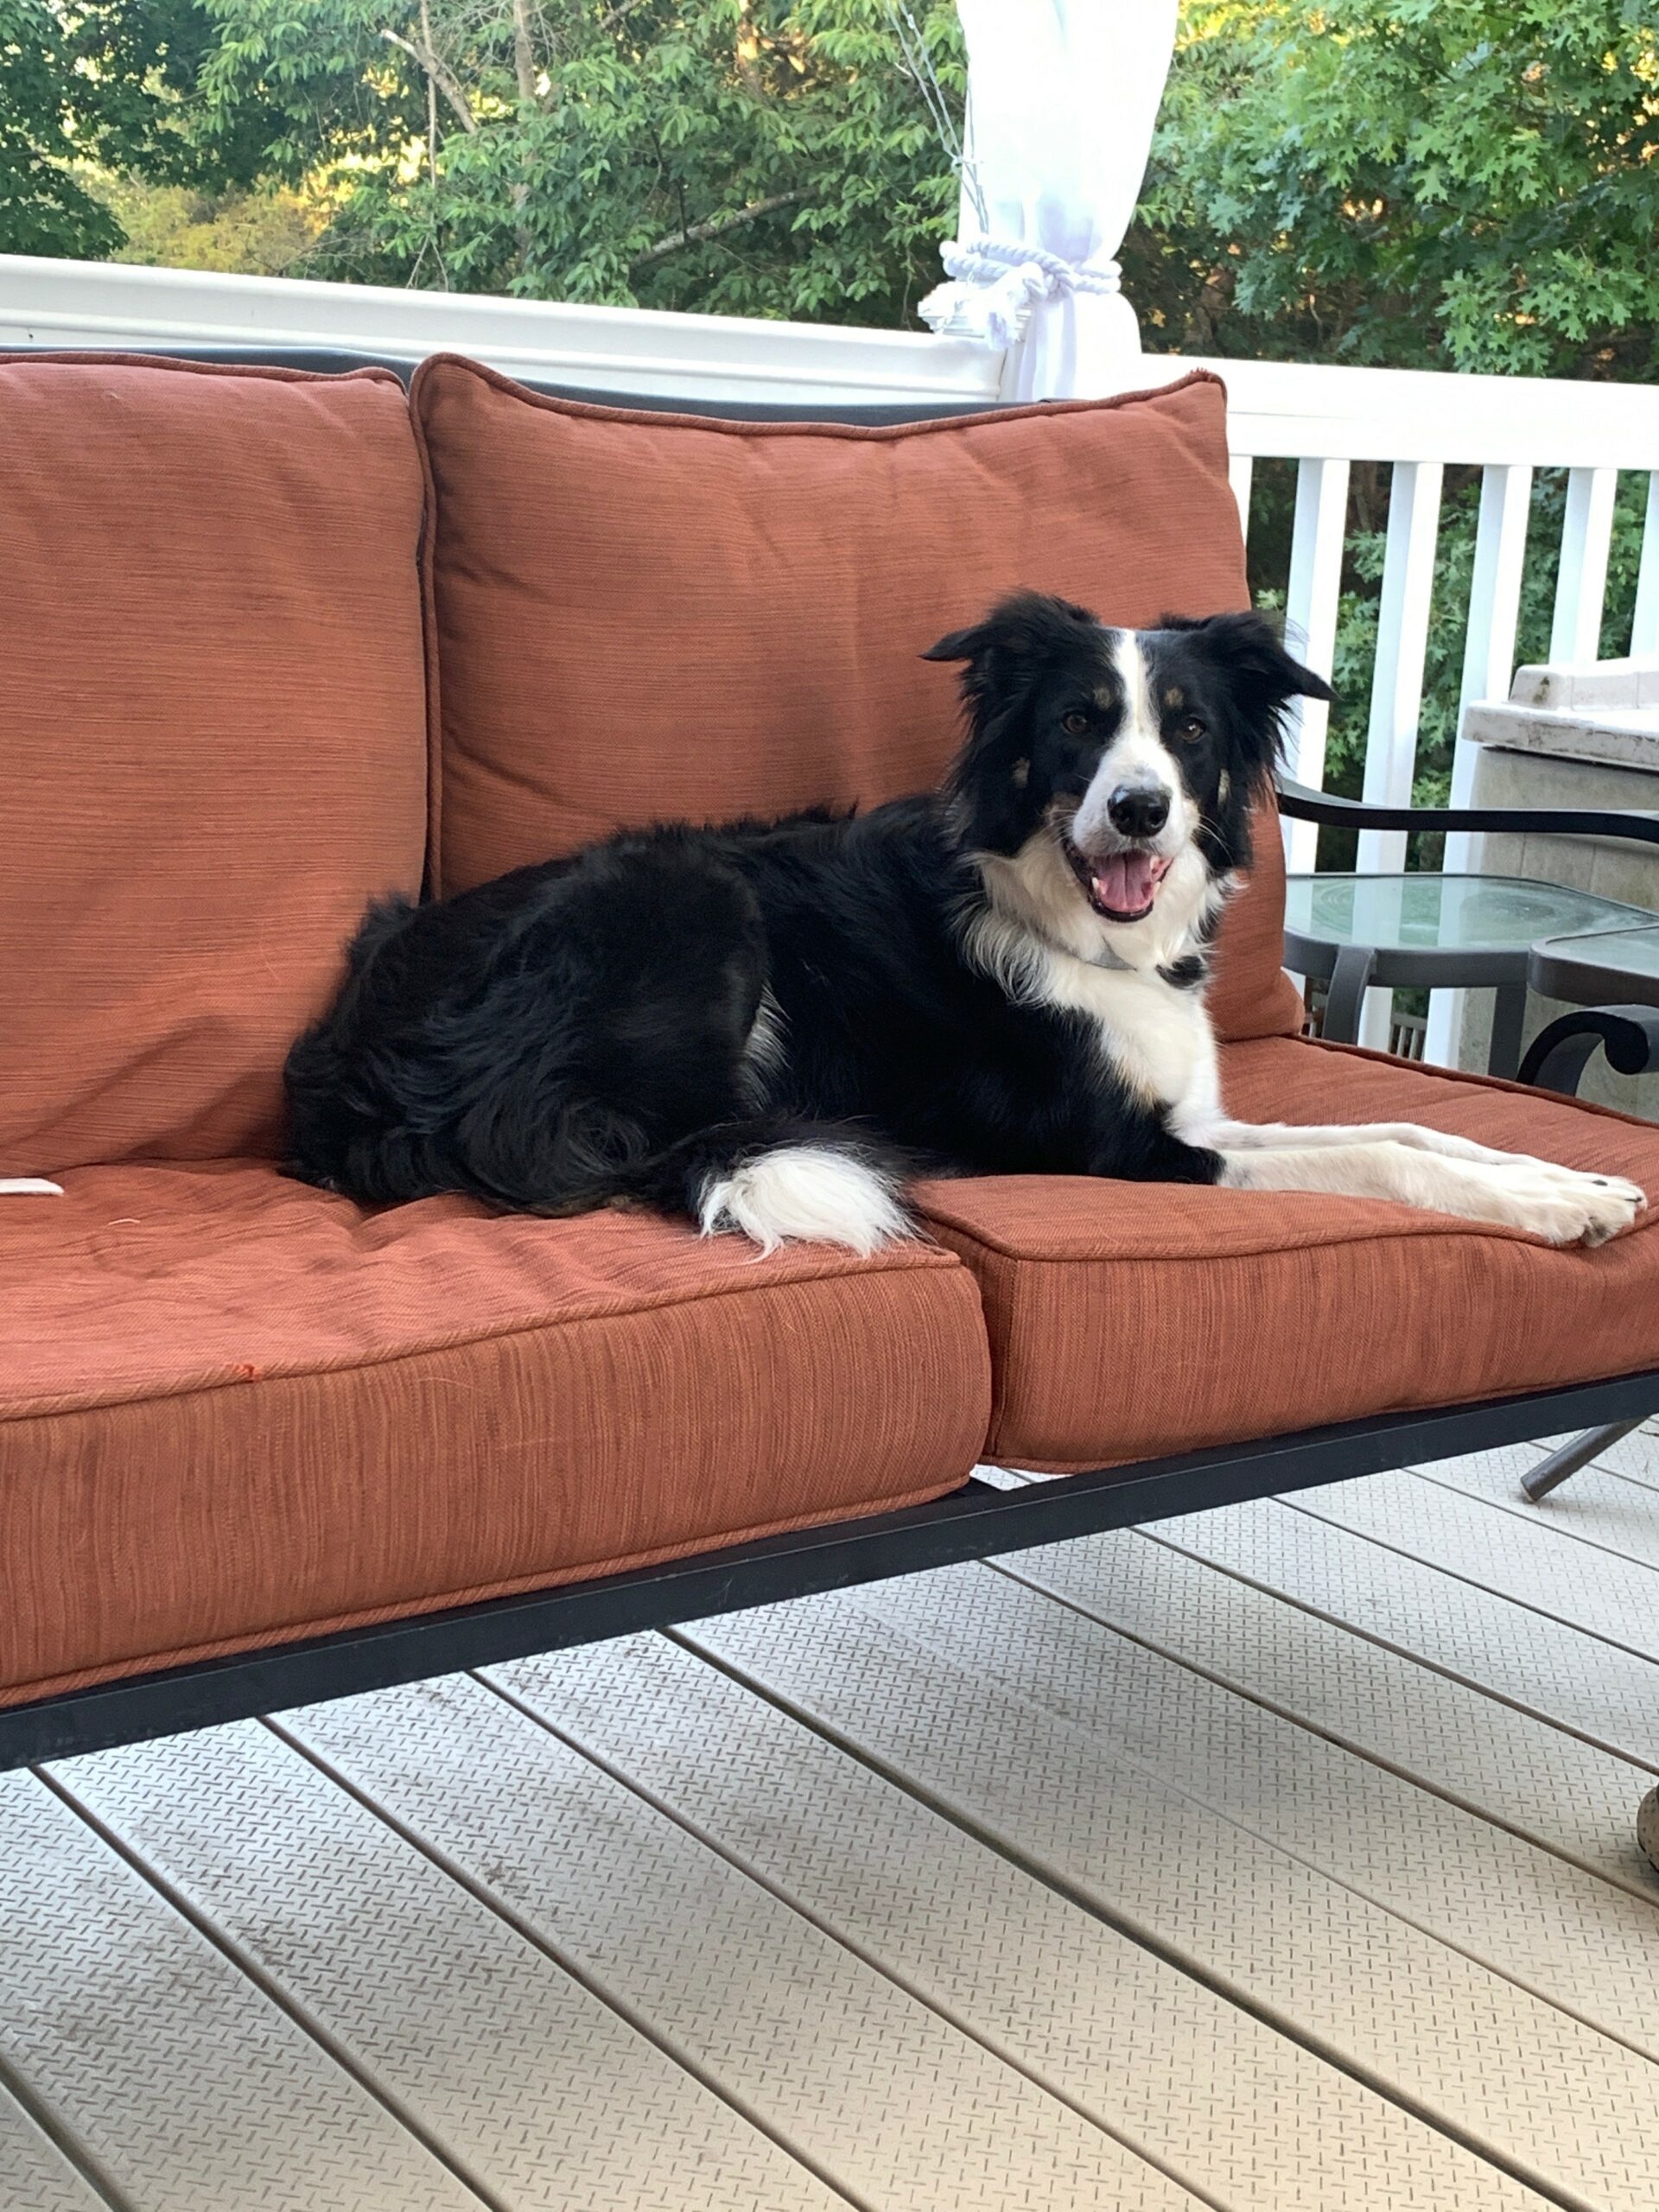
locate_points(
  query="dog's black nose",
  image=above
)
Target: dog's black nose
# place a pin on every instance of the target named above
(1138, 810)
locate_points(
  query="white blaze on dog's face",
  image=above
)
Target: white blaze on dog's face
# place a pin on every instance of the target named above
(1137, 818)
(1107, 780)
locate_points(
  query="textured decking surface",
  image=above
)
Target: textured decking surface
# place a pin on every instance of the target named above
(1274, 1858)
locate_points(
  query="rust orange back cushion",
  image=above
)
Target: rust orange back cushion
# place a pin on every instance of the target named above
(212, 732)
(643, 616)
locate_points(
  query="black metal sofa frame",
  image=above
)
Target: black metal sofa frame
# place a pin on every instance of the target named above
(976, 1521)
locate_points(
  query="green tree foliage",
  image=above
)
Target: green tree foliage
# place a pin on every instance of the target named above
(1465, 184)
(103, 81)
(264, 233)
(1443, 184)
(1449, 184)
(740, 156)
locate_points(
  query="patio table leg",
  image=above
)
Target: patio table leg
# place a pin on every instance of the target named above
(1344, 994)
(1570, 1457)
(1509, 1018)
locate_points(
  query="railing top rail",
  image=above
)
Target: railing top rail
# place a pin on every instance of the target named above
(1290, 410)
(1298, 410)
(70, 303)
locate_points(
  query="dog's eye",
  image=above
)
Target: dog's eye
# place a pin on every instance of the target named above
(1191, 729)
(1075, 723)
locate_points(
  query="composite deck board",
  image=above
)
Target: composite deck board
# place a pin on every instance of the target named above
(1504, 1765)
(1561, 2105)
(1559, 1673)
(1178, 1867)
(34, 2175)
(1526, 1560)
(1607, 1511)
(176, 2077)
(873, 2089)
(1566, 1935)
(532, 2085)
(1636, 1456)
(1246, 2118)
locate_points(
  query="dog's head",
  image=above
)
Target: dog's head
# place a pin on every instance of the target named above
(1106, 782)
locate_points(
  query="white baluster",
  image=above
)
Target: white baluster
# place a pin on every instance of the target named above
(1401, 647)
(1586, 535)
(1494, 614)
(1645, 631)
(1240, 471)
(1488, 670)
(1397, 682)
(1311, 616)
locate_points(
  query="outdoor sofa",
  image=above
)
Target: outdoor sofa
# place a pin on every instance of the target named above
(274, 640)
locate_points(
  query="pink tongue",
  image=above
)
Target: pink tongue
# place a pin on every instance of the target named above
(1124, 882)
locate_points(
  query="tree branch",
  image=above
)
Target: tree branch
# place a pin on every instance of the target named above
(438, 75)
(617, 15)
(524, 53)
(431, 103)
(717, 227)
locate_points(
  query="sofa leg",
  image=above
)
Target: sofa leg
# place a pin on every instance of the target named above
(1570, 1457)
(1647, 1828)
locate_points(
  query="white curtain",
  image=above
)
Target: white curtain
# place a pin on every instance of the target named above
(1062, 98)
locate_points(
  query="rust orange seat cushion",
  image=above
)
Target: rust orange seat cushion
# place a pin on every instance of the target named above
(1130, 1320)
(645, 617)
(212, 732)
(235, 1411)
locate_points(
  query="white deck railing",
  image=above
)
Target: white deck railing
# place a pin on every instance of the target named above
(70, 303)
(1324, 418)
(1321, 417)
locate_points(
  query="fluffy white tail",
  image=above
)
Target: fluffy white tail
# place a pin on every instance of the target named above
(805, 1191)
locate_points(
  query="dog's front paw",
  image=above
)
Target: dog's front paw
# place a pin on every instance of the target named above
(1565, 1206)
(1616, 1208)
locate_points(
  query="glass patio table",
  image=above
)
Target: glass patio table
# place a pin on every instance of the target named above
(1446, 931)
(1600, 966)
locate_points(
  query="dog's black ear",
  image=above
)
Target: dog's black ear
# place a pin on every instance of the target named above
(1020, 628)
(1006, 655)
(1248, 649)
(960, 645)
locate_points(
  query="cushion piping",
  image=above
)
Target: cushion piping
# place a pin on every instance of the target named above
(1449, 1225)
(270, 372)
(912, 1259)
(1470, 1076)
(1041, 1466)
(723, 426)
(427, 571)
(477, 1594)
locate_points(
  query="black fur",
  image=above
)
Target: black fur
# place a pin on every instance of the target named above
(576, 1033)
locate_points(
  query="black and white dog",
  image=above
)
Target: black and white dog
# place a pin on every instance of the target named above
(767, 1026)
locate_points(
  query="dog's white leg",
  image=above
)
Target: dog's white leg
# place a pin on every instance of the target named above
(28, 1186)
(1291, 1136)
(1558, 1204)
(1199, 1119)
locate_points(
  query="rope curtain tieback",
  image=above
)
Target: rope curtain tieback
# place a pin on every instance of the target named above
(991, 288)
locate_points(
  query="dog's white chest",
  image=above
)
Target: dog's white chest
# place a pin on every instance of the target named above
(1156, 1036)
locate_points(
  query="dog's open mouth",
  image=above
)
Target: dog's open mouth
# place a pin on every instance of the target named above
(1120, 886)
